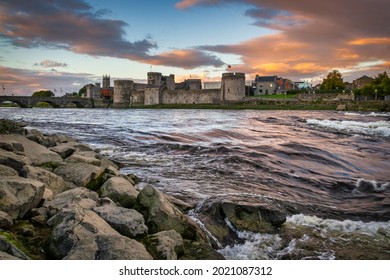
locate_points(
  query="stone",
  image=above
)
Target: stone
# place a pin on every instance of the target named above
(80, 197)
(161, 215)
(81, 174)
(19, 195)
(9, 127)
(5, 256)
(79, 158)
(80, 234)
(165, 245)
(10, 145)
(52, 181)
(13, 160)
(127, 222)
(341, 107)
(6, 171)
(5, 220)
(195, 250)
(120, 190)
(64, 150)
(38, 154)
(8, 246)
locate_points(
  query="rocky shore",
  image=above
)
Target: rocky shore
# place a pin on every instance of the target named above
(59, 199)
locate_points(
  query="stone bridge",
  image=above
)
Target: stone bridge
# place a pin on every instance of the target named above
(56, 102)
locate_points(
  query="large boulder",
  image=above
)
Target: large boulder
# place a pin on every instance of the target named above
(13, 161)
(127, 222)
(222, 216)
(81, 174)
(121, 191)
(19, 195)
(5, 220)
(38, 154)
(162, 215)
(165, 245)
(80, 197)
(8, 248)
(80, 234)
(80, 158)
(64, 150)
(52, 181)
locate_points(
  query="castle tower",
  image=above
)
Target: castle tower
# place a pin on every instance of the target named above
(233, 87)
(122, 93)
(154, 79)
(106, 81)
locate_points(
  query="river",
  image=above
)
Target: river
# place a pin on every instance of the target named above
(322, 159)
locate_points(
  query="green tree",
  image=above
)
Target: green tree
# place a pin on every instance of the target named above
(43, 93)
(83, 90)
(333, 80)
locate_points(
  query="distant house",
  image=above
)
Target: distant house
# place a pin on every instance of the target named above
(348, 86)
(264, 85)
(303, 85)
(362, 81)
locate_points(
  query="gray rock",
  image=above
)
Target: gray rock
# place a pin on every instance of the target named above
(81, 174)
(6, 171)
(80, 197)
(19, 195)
(161, 215)
(165, 245)
(5, 220)
(127, 222)
(10, 249)
(38, 154)
(121, 191)
(5, 256)
(10, 145)
(13, 160)
(81, 234)
(64, 150)
(79, 158)
(52, 181)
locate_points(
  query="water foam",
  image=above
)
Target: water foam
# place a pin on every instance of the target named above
(367, 128)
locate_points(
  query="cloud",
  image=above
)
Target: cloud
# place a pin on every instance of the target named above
(312, 37)
(25, 82)
(76, 27)
(51, 64)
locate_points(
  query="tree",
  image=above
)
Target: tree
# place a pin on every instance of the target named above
(83, 90)
(333, 80)
(43, 93)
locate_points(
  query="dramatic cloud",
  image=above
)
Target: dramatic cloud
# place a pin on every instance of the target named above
(76, 27)
(51, 64)
(312, 37)
(25, 82)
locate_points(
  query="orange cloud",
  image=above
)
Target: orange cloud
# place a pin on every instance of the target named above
(370, 41)
(185, 4)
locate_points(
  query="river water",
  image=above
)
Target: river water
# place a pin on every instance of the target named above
(335, 163)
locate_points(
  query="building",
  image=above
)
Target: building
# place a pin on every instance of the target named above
(264, 85)
(303, 85)
(362, 81)
(98, 92)
(212, 85)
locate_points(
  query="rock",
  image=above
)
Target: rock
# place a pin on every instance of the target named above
(161, 215)
(81, 174)
(222, 214)
(52, 181)
(19, 195)
(48, 194)
(8, 246)
(120, 190)
(80, 234)
(64, 150)
(127, 222)
(5, 220)
(13, 160)
(5, 256)
(194, 250)
(11, 146)
(80, 197)
(38, 154)
(112, 172)
(6, 171)
(165, 245)
(9, 127)
(183, 206)
(79, 158)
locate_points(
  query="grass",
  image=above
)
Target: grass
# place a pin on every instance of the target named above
(276, 96)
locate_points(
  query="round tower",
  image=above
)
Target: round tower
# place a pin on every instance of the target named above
(122, 93)
(106, 81)
(233, 87)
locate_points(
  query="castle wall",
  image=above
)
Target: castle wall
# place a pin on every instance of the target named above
(233, 87)
(152, 96)
(137, 97)
(122, 93)
(210, 96)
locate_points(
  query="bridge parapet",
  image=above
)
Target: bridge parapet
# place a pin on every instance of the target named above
(59, 102)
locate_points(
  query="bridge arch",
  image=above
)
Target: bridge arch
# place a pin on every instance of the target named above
(21, 104)
(53, 104)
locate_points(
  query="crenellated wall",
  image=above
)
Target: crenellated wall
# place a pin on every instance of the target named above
(233, 87)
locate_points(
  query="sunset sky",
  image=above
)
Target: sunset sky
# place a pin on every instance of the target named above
(63, 45)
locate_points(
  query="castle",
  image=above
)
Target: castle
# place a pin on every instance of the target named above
(161, 89)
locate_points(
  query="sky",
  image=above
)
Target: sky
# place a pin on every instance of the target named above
(63, 45)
